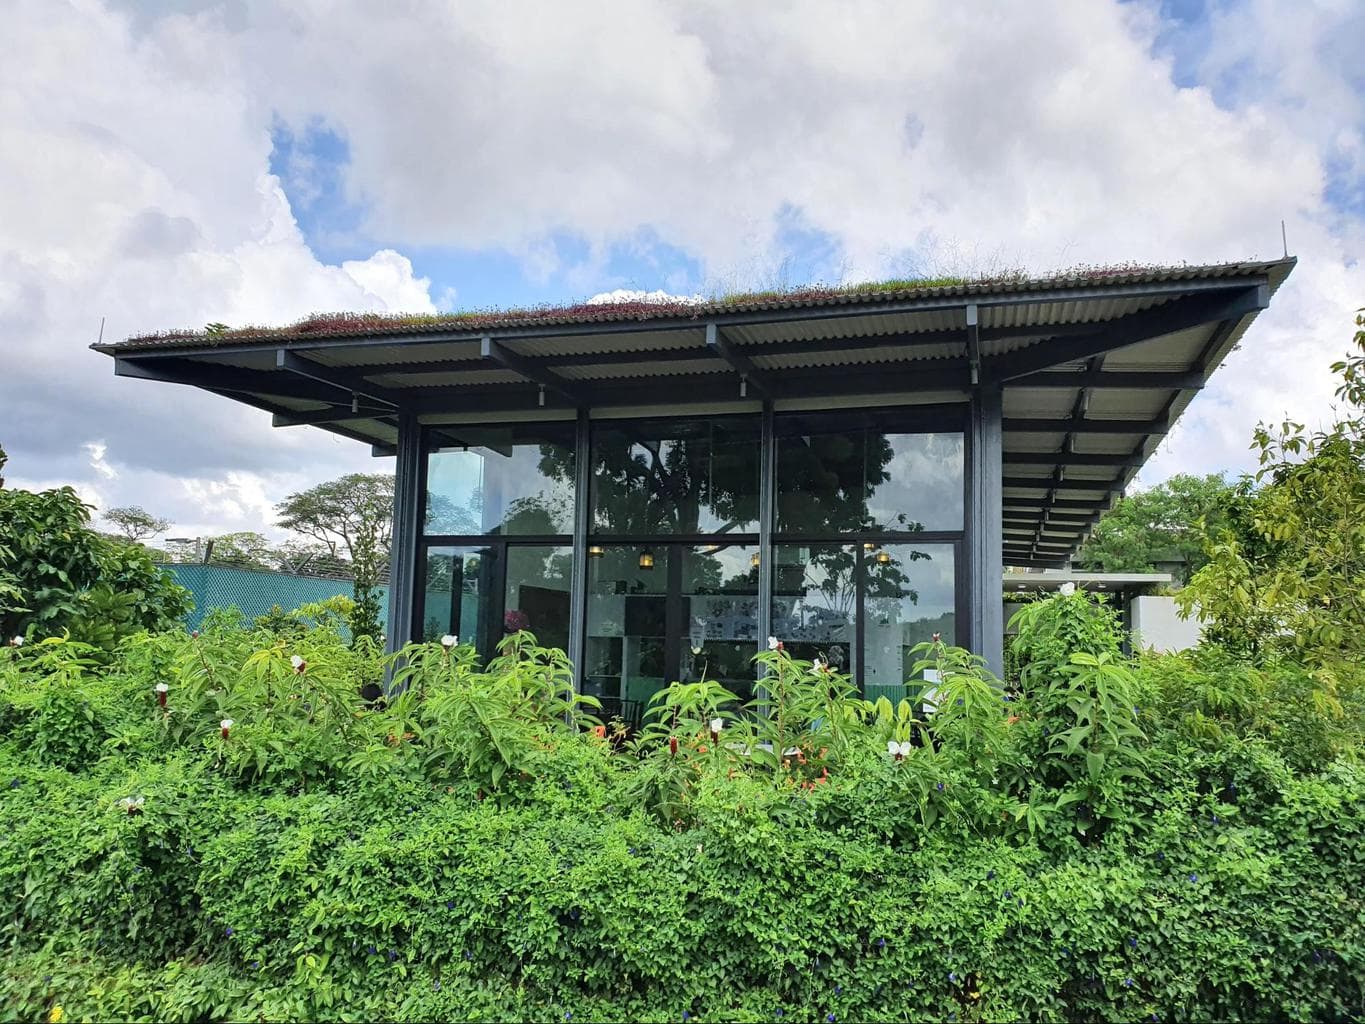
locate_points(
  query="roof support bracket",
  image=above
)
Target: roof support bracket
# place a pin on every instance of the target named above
(749, 374)
(292, 362)
(497, 352)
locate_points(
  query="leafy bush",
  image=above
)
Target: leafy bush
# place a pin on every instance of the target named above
(476, 846)
(58, 574)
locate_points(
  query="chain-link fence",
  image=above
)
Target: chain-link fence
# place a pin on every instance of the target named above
(253, 592)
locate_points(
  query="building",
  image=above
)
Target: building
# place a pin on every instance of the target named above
(659, 487)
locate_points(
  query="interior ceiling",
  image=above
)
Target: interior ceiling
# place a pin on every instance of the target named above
(1092, 376)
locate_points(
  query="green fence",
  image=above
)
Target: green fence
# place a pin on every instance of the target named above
(254, 593)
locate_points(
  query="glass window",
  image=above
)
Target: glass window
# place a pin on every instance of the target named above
(909, 596)
(457, 598)
(815, 602)
(501, 480)
(720, 616)
(685, 477)
(841, 474)
(625, 659)
(537, 593)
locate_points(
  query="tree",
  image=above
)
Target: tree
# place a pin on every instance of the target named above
(352, 515)
(58, 574)
(1162, 525)
(244, 550)
(1287, 575)
(136, 524)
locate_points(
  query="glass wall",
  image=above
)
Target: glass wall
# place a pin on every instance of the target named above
(501, 480)
(910, 594)
(863, 473)
(656, 477)
(868, 516)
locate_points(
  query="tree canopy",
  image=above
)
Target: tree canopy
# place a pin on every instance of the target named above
(1162, 527)
(136, 524)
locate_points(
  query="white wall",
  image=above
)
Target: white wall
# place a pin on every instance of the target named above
(1156, 625)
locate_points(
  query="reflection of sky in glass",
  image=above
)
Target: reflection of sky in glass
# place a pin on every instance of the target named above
(925, 484)
(483, 489)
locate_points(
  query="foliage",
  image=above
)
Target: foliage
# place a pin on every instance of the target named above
(1164, 524)
(135, 523)
(352, 514)
(1051, 630)
(245, 549)
(1288, 577)
(475, 845)
(58, 574)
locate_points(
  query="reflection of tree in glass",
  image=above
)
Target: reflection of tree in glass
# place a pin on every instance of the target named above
(825, 483)
(644, 484)
(443, 516)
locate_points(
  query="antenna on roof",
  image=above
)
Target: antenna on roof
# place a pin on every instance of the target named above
(101, 337)
(1284, 239)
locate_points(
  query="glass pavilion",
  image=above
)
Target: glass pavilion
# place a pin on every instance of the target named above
(659, 488)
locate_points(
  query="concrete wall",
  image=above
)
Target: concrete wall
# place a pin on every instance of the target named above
(1155, 624)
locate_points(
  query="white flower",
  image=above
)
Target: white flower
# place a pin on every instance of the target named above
(449, 640)
(821, 665)
(1067, 589)
(717, 725)
(225, 724)
(18, 641)
(774, 643)
(299, 664)
(131, 805)
(898, 750)
(161, 688)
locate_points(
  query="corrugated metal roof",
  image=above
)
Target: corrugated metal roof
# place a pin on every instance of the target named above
(1056, 309)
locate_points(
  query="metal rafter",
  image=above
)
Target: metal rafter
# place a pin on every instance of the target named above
(749, 374)
(496, 352)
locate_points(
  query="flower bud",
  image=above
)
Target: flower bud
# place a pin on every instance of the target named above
(300, 666)
(673, 745)
(226, 726)
(449, 641)
(161, 690)
(18, 641)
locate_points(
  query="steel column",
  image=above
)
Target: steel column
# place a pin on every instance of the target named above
(767, 489)
(407, 524)
(578, 578)
(985, 528)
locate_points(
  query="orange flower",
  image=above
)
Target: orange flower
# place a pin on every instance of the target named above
(600, 731)
(1012, 719)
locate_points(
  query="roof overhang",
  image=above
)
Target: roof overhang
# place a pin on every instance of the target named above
(1094, 371)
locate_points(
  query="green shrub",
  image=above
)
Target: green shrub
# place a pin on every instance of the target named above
(475, 846)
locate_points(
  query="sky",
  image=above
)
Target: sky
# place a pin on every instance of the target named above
(167, 165)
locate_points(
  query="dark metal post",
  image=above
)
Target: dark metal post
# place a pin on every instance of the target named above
(985, 528)
(578, 578)
(767, 490)
(407, 524)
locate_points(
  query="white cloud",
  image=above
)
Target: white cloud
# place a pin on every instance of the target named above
(635, 295)
(912, 135)
(96, 450)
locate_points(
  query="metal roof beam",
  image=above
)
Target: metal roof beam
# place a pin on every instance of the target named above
(332, 414)
(717, 345)
(973, 343)
(1049, 483)
(1071, 459)
(1023, 502)
(497, 352)
(292, 362)
(1103, 379)
(1085, 426)
(229, 381)
(1234, 302)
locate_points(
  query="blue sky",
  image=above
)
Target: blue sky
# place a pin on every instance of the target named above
(244, 161)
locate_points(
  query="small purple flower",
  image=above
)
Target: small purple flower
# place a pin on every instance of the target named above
(1132, 943)
(940, 787)
(468, 955)
(990, 874)
(228, 931)
(881, 943)
(255, 965)
(1009, 895)
(1194, 878)
(1160, 855)
(1215, 818)
(372, 950)
(829, 1018)
(568, 1015)
(839, 989)
(450, 904)
(778, 1013)
(393, 955)
(573, 914)
(952, 976)
(686, 1017)
(1137, 710)
(15, 783)
(960, 702)
(1317, 957)
(1127, 982)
